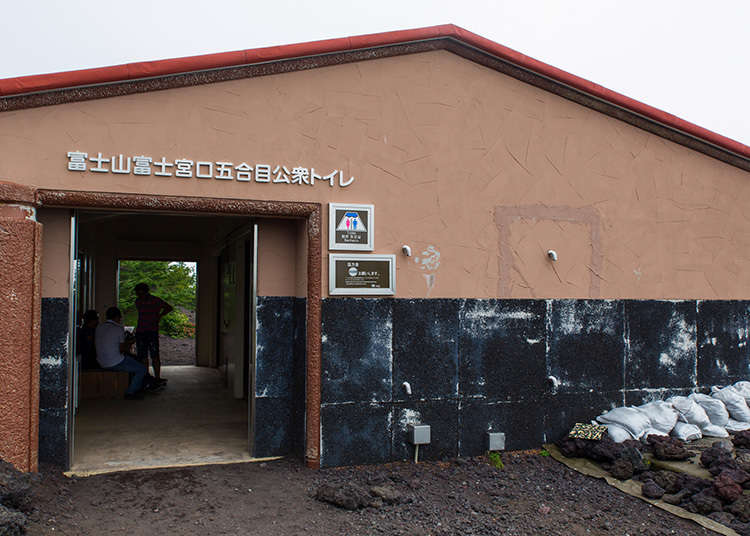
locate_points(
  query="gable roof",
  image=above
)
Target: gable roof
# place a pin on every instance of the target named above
(46, 89)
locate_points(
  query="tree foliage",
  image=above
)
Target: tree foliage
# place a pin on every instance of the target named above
(173, 282)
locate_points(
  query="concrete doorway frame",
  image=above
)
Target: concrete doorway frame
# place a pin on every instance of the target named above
(310, 212)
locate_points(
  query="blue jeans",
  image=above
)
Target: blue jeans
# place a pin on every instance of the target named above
(136, 369)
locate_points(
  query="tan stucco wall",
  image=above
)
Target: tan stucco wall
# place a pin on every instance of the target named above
(488, 171)
(277, 257)
(55, 252)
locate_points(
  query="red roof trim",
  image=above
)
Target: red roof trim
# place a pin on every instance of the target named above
(145, 69)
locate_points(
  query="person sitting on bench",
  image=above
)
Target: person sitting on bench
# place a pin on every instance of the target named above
(111, 347)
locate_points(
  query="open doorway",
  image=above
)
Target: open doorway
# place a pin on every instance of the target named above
(207, 412)
(175, 282)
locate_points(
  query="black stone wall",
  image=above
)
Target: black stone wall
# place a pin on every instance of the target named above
(280, 376)
(482, 365)
(53, 381)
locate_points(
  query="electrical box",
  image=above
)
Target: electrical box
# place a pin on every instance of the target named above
(495, 441)
(419, 434)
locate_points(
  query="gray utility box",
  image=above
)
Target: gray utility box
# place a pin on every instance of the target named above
(419, 434)
(495, 441)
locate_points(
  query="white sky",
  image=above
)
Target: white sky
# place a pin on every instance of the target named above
(688, 57)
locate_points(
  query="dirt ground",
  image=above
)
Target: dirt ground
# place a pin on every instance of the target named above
(176, 351)
(531, 495)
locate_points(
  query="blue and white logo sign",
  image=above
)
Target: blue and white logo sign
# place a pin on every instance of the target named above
(351, 227)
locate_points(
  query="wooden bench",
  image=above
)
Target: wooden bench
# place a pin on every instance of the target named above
(103, 384)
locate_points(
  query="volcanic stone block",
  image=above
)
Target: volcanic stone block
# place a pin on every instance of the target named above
(355, 434)
(53, 440)
(425, 348)
(502, 349)
(723, 352)
(53, 351)
(441, 415)
(299, 369)
(53, 382)
(275, 338)
(522, 423)
(273, 427)
(356, 350)
(586, 347)
(563, 410)
(662, 351)
(638, 397)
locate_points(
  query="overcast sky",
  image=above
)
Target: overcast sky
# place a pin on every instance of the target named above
(688, 57)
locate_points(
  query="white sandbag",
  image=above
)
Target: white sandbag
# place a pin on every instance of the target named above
(734, 402)
(690, 411)
(737, 426)
(686, 431)
(714, 431)
(661, 414)
(714, 408)
(618, 433)
(632, 419)
(743, 388)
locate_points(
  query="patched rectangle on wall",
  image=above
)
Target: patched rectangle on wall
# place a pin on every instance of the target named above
(723, 352)
(356, 350)
(53, 382)
(502, 349)
(661, 351)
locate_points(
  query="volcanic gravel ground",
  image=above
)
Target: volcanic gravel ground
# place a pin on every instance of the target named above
(532, 495)
(176, 351)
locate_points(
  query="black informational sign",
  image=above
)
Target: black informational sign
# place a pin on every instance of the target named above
(351, 227)
(362, 274)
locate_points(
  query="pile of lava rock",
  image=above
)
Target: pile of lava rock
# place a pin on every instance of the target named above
(722, 498)
(14, 499)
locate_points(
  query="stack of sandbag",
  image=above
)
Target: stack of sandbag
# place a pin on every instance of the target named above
(654, 418)
(739, 412)
(690, 412)
(663, 418)
(625, 423)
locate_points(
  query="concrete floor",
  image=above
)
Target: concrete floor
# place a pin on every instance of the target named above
(193, 421)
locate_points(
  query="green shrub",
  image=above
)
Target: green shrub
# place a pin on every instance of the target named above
(495, 460)
(177, 325)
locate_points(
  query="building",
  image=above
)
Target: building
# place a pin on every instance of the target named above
(546, 248)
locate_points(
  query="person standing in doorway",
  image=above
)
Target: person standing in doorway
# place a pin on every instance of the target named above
(150, 311)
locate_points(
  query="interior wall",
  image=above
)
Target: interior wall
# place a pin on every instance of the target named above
(232, 316)
(207, 310)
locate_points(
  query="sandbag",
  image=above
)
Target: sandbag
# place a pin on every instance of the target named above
(714, 431)
(691, 412)
(632, 419)
(661, 414)
(734, 402)
(714, 408)
(686, 431)
(737, 426)
(618, 433)
(743, 388)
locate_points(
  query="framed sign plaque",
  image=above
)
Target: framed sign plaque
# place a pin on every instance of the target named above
(362, 274)
(351, 227)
